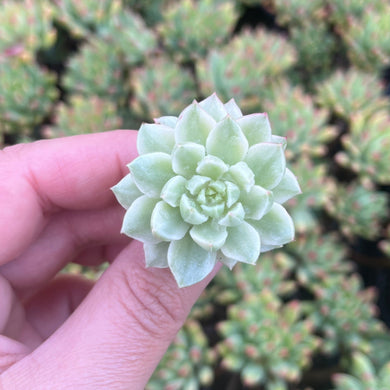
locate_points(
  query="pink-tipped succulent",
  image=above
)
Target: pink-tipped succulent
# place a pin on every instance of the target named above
(207, 186)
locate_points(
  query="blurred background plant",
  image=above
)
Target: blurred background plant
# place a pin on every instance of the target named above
(315, 315)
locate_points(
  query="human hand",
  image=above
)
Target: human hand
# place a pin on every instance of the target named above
(63, 332)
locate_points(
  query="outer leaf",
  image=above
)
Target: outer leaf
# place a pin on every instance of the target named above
(151, 171)
(126, 191)
(256, 128)
(213, 106)
(156, 255)
(185, 158)
(189, 262)
(227, 142)
(233, 110)
(155, 138)
(209, 235)
(256, 202)
(167, 223)
(242, 243)
(169, 121)
(230, 263)
(268, 163)
(287, 188)
(276, 228)
(194, 125)
(212, 167)
(173, 189)
(136, 223)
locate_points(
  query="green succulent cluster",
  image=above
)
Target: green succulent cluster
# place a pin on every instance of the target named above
(188, 363)
(317, 259)
(27, 95)
(368, 48)
(335, 311)
(83, 115)
(367, 147)
(267, 342)
(25, 27)
(305, 127)
(190, 28)
(363, 375)
(347, 93)
(246, 68)
(359, 211)
(157, 89)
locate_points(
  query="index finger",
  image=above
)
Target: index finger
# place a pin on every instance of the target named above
(73, 173)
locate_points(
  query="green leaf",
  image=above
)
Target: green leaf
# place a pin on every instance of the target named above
(233, 110)
(209, 235)
(189, 262)
(234, 216)
(126, 191)
(253, 374)
(232, 193)
(185, 158)
(194, 125)
(190, 211)
(136, 223)
(227, 142)
(169, 121)
(287, 188)
(151, 171)
(242, 175)
(268, 163)
(213, 106)
(173, 189)
(230, 263)
(156, 255)
(167, 223)
(276, 228)
(256, 128)
(212, 167)
(256, 202)
(155, 138)
(196, 183)
(242, 243)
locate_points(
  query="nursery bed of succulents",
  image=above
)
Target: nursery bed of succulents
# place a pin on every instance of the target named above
(316, 313)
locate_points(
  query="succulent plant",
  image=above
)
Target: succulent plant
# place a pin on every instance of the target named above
(363, 375)
(83, 115)
(345, 315)
(247, 68)
(367, 147)
(267, 341)
(298, 12)
(305, 126)
(188, 363)
(127, 34)
(207, 186)
(25, 27)
(83, 17)
(190, 28)
(161, 87)
(97, 70)
(317, 258)
(347, 93)
(369, 48)
(272, 272)
(27, 95)
(151, 10)
(316, 186)
(358, 210)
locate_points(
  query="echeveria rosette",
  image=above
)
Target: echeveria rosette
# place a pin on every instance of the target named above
(207, 186)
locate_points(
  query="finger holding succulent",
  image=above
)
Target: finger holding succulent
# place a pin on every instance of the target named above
(207, 186)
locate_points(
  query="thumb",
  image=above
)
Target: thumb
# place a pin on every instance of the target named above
(118, 334)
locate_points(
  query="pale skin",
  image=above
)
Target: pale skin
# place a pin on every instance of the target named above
(64, 332)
